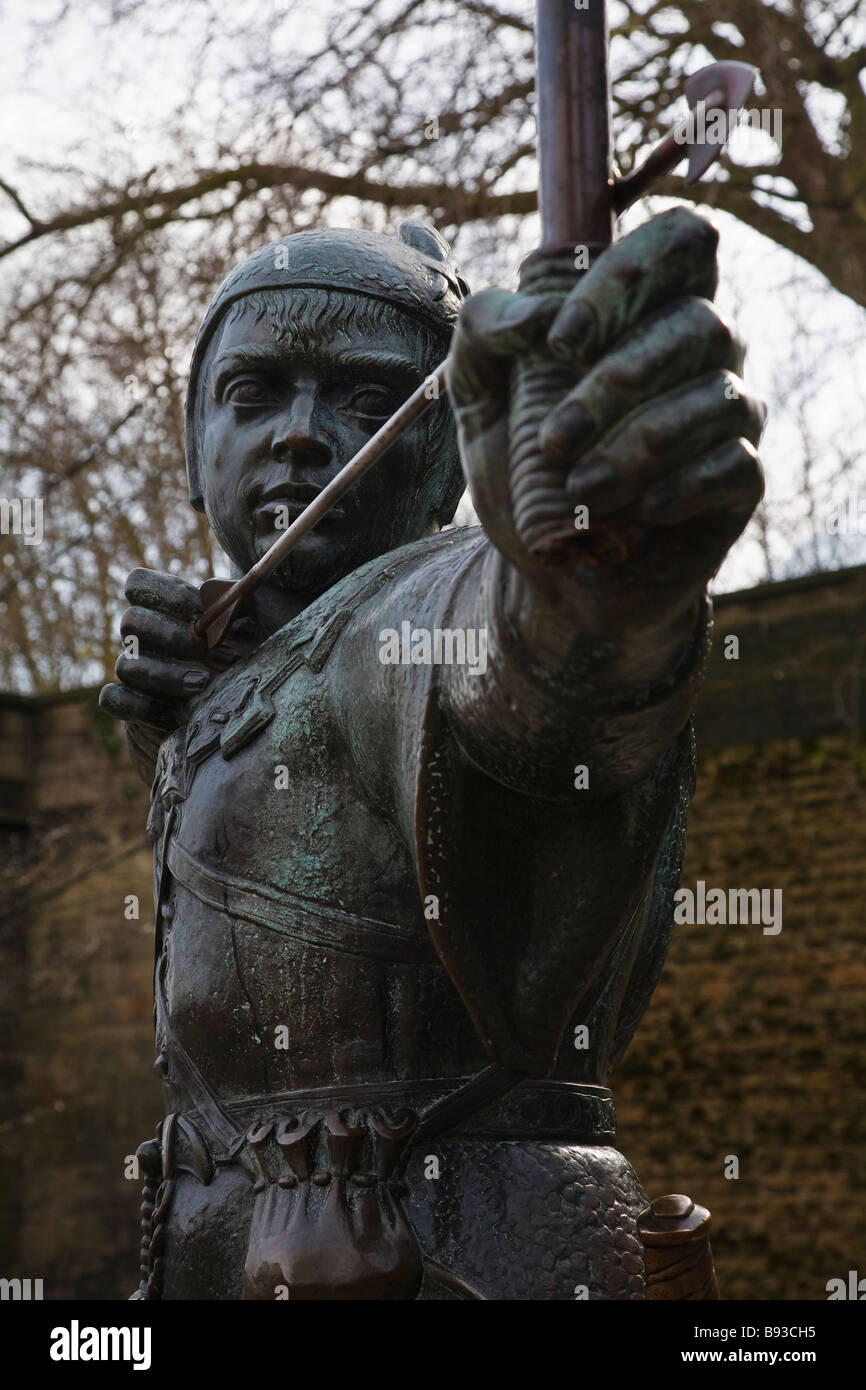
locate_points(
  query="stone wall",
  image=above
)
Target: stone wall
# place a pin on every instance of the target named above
(75, 988)
(753, 1046)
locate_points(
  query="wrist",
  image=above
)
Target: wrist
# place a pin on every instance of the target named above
(585, 642)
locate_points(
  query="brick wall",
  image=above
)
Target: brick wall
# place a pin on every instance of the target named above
(753, 1046)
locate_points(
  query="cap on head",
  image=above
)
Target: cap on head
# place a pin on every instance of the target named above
(413, 271)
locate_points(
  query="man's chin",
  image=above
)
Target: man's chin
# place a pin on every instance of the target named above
(313, 566)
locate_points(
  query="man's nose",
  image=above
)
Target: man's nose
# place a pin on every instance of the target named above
(297, 433)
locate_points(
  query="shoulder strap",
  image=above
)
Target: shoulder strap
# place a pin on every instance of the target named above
(212, 1113)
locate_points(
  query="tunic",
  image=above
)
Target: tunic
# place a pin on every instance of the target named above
(369, 892)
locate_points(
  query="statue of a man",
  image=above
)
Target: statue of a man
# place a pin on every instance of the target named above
(418, 821)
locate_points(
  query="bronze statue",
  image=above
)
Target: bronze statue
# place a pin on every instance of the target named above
(419, 816)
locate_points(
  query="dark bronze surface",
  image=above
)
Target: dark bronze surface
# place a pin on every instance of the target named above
(386, 913)
(574, 145)
(411, 906)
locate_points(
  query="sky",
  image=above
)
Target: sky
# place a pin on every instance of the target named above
(62, 96)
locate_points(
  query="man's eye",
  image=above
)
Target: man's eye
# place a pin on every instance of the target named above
(247, 390)
(371, 402)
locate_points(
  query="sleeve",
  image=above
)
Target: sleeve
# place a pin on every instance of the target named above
(543, 894)
(554, 706)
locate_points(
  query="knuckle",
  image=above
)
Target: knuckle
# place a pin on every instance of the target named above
(130, 622)
(123, 667)
(681, 230)
(691, 227)
(172, 587)
(734, 393)
(706, 318)
(483, 311)
(619, 375)
(748, 482)
(736, 341)
(706, 235)
(655, 436)
(136, 579)
(749, 410)
(108, 698)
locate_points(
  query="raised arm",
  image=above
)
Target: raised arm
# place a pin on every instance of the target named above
(596, 656)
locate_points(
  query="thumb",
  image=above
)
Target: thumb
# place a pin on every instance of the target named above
(494, 325)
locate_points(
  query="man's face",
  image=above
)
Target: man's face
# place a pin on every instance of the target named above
(281, 421)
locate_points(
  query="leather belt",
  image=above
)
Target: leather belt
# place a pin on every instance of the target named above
(533, 1111)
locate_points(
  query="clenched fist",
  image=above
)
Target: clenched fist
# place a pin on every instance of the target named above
(166, 666)
(644, 466)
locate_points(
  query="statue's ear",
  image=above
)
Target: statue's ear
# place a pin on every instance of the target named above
(193, 472)
(194, 423)
(424, 238)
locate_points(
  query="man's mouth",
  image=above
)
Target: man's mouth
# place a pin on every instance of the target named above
(278, 508)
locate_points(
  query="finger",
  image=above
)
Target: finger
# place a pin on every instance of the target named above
(161, 676)
(656, 439)
(683, 342)
(670, 256)
(729, 480)
(162, 634)
(123, 703)
(494, 324)
(164, 592)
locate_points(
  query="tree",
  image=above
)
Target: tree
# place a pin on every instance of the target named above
(461, 147)
(394, 107)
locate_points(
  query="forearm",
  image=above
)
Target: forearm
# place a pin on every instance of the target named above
(563, 687)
